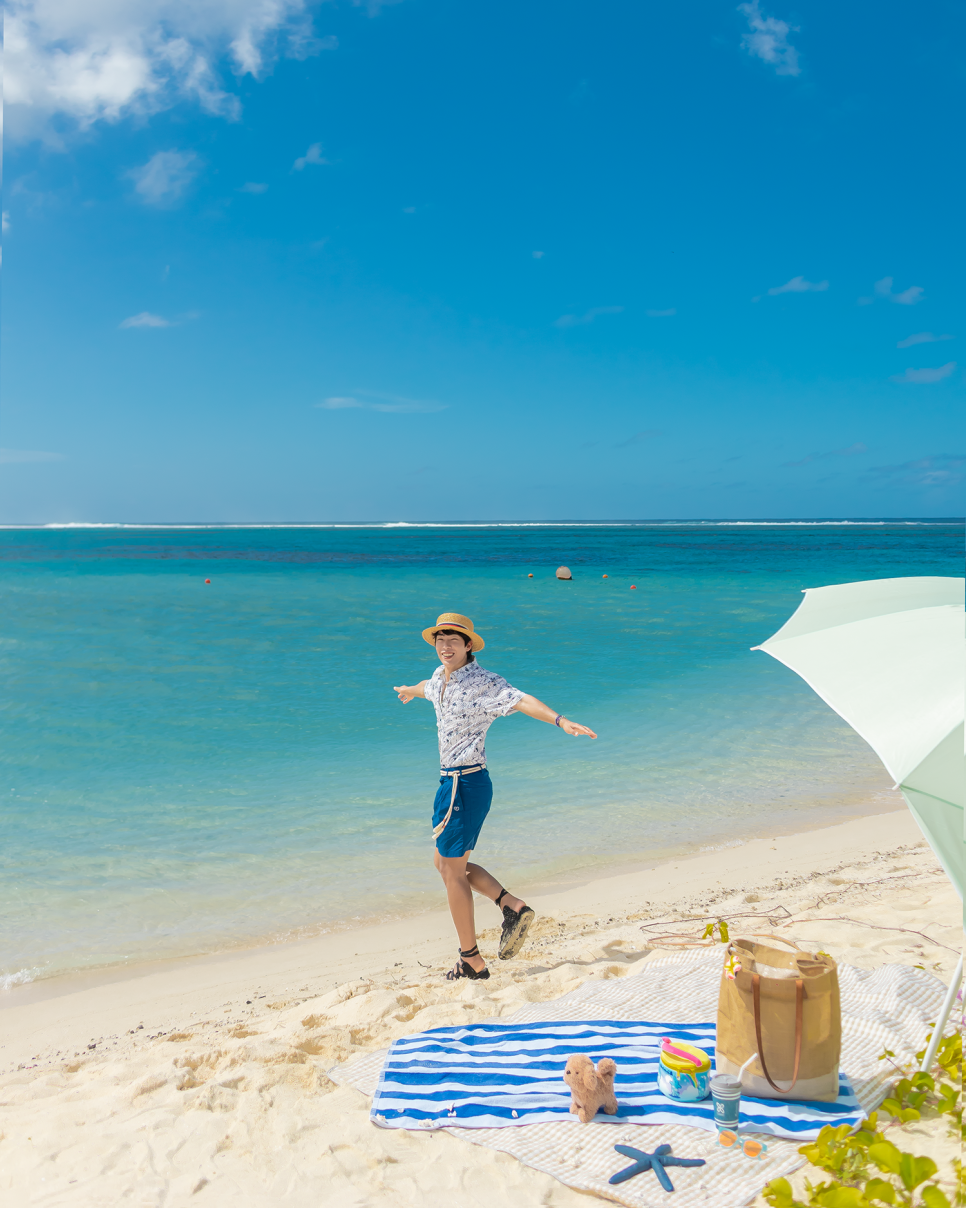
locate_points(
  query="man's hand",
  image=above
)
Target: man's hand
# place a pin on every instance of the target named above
(572, 727)
(406, 693)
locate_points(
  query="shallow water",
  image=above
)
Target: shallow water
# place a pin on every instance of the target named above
(191, 766)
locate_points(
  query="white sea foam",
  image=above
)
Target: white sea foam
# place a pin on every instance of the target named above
(20, 978)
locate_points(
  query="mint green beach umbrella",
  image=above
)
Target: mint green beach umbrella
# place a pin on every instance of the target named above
(887, 655)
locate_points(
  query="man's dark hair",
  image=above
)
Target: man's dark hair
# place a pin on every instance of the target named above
(461, 633)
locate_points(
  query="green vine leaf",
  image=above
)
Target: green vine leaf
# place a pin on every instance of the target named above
(932, 1197)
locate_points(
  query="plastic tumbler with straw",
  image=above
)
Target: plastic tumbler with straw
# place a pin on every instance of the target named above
(726, 1096)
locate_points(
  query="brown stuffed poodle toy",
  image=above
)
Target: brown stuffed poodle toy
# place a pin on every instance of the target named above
(591, 1090)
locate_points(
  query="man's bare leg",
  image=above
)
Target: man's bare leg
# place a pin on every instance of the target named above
(460, 897)
(488, 886)
(461, 879)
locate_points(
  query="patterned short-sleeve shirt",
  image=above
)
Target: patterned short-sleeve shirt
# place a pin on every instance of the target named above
(472, 701)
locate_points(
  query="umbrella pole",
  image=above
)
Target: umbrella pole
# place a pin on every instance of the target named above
(937, 1032)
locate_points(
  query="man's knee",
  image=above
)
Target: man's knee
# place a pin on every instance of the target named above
(451, 868)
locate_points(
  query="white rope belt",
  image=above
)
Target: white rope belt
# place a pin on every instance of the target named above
(455, 776)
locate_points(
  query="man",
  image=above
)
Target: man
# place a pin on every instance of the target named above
(467, 700)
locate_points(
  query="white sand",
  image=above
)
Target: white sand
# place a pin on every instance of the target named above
(204, 1082)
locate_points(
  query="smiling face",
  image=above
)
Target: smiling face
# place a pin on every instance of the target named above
(452, 649)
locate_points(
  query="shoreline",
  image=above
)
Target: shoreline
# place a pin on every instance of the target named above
(75, 1015)
(77, 979)
(212, 1079)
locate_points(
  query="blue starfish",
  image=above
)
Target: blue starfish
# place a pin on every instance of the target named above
(655, 1161)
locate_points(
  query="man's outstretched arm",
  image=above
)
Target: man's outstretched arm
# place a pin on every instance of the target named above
(406, 693)
(537, 709)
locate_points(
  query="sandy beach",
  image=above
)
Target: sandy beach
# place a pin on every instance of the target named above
(205, 1081)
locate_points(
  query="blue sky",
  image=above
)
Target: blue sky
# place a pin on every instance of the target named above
(426, 260)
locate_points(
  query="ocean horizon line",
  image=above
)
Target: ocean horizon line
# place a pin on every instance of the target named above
(401, 524)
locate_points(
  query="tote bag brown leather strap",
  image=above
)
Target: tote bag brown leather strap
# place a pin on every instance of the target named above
(799, 1012)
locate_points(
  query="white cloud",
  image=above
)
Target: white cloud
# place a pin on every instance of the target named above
(925, 377)
(339, 403)
(883, 289)
(921, 337)
(373, 7)
(102, 60)
(165, 177)
(909, 297)
(661, 314)
(312, 156)
(767, 39)
(11, 456)
(6, 220)
(145, 319)
(538, 255)
(798, 285)
(374, 400)
(252, 186)
(589, 317)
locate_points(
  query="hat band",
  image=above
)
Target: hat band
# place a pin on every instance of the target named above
(450, 625)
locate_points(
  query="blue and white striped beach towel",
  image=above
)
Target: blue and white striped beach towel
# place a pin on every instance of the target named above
(501, 1074)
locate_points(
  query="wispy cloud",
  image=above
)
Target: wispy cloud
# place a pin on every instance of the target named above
(312, 156)
(767, 39)
(882, 290)
(12, 456)
(538, 255)
(6, 220)
(925, 377)
(639, 438)
(798, 285)
(661, 314)
(374, 7)
(588, 317)
(936, 470)
(374, 400)
(851, 451)
(252, 186)
(145, 319)
(921, 337)
(163, 180)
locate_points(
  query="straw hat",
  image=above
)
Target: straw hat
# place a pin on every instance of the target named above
(453, 620)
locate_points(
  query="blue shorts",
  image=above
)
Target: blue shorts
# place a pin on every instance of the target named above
(473, 796)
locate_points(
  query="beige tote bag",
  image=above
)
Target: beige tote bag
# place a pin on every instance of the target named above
(784, 1006)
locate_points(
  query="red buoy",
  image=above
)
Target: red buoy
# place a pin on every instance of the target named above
(633, 587)
(207, 580)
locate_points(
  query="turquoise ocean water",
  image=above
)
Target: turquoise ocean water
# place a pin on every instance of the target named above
(186, 768)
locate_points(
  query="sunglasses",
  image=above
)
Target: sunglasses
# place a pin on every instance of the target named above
(748, 1146)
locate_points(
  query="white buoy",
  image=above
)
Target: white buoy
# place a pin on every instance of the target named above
(563, 572)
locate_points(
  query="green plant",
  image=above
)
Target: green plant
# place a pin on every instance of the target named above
(848, 1158)
(908, 1096)
(916, 1092)
(959, 1196)
(841, 1152)
(722, 928)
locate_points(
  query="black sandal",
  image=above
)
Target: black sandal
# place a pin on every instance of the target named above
(516, 924)
(462, 969)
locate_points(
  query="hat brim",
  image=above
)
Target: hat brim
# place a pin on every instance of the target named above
(429, 635)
